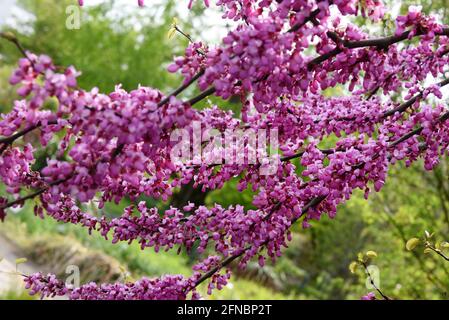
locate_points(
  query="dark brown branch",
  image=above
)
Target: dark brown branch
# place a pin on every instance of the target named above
(298, 26)
(201, 96)
(404, 106)
(375, 90)
(410, 102)
(443, 117)
(5, 142)
(300, 154)
(34, 194)
(380, 43)
(438, 252)
(228, 260)
(17, 135)
(23, 199)
(181, 88)
(388, 41)
(13, 39)
(223, 264)
(371, 280)
(405, 137)
(401, 108)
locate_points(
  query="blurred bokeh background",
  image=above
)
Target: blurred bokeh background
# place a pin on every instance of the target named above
(120, 43)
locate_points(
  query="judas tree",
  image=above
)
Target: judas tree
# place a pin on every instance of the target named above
(280, 60)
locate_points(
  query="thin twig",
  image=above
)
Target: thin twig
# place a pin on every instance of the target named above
(183, 87)
(13, 39)
(384, 296)
(441, 254)
(201, 96)
(228, 260)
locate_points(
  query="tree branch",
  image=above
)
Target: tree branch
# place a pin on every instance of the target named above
(314, 202)
(13, 39)
(371, 280)
(181, 88)
(380, 43)
(201, 96)
(441, 254)
(9, 140)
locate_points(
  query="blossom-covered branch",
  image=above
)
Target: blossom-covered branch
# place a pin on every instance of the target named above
(121, 144)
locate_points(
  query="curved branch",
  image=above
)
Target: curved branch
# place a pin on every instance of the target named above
(201, 96)
(13, 39)
(380, 43)
(314, 202)
(34, 194)
(410, 102)
(371, 280)
(441, 254)
(181, 88)
(17, 135)
(9, 140)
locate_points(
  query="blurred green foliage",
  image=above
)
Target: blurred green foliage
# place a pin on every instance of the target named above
(17, 295)
(108, 52)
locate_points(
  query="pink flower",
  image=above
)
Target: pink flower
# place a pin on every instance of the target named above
(369, 296)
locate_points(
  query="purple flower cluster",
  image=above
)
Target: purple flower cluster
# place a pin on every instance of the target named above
(369, 296)
(166, 288)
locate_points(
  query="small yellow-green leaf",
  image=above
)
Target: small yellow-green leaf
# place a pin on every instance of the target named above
(363, 4)
(129, 278)
(428, 234)
(8, 36)
(353, 266)
(427, 250)
(411, 244)
(21, 261)
(175, 21)
(171, 32)
(360, 257)
(444, 244)
(371, 254)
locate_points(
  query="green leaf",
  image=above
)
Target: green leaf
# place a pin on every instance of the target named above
(444, 244)
(412, 243)
(360, 257)
(353, 266)
(21, 261)
(428, 234)
(171, 32)
(371, 254)
(8, 36)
